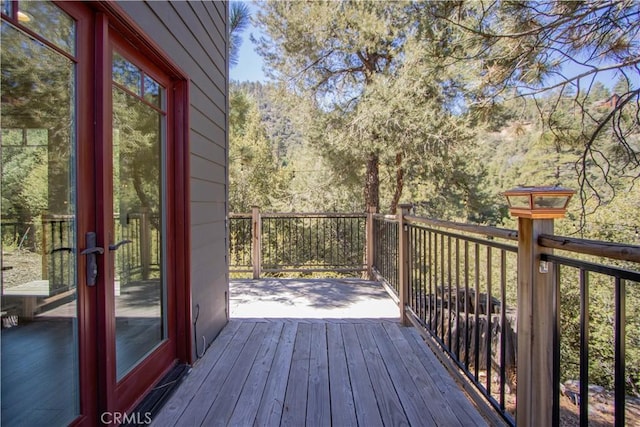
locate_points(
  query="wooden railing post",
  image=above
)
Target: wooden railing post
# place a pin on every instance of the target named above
(145, 242)
(44, 250)
(369, 242)
(403, 262)
(256, 241)
(535, 326)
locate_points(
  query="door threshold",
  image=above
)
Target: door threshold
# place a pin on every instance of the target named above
(158, 396)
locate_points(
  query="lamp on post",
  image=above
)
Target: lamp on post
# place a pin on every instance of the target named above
(537, 389)
(538, 202)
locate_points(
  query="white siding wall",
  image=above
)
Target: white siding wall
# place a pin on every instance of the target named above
(192, 34)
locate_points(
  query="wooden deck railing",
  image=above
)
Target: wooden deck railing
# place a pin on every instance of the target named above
(276, 243)
(486, 297)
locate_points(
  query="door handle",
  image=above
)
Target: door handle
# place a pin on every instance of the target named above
(120, 243)
(90, 252)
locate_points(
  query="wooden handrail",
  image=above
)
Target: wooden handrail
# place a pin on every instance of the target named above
(500, 233)
(300, 215)
(385, 217)
(312, 215)
(591, 247)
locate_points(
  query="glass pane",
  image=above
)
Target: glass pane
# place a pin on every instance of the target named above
(5, 7)
(45, 19)
(38, 234)
(137, 189)
(549, 201)
(152, 91)
(520, 202)
(126, 74)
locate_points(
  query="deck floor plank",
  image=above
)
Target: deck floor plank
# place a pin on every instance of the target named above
(439, 407)
(318, 396)
(198, 407)
(270, 409)
(363, 395)
(294, 412)
(457, 401)
(343, 410)
(224, 404)
(388, 400)
(171, 412)
(246, 408)
(416, 410)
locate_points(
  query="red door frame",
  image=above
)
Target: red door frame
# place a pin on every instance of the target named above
(134, 384)
(113, 30)
(100, 391)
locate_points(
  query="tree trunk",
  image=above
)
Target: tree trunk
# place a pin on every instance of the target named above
(372, 183)
(399, 184)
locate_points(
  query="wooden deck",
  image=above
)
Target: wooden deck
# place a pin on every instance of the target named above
(318, 372)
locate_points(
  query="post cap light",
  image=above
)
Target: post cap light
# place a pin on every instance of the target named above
(538, 202)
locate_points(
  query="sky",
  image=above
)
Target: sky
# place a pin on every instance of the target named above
(249, 66)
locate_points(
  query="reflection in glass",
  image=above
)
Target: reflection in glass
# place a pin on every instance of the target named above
(126, 74)
(48, 21)
(549, 202)
(520, 202)
(152, 91)
(5, 7)
(137, 172)
(38, 284)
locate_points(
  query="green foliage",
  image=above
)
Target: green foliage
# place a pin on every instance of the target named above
(255, 177)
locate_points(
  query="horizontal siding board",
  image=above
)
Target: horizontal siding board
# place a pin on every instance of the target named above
(203, 234)
(203, 191)
(201, 10)
(207, 127)
(205, 148)
(181, 32)
(204, 102)
(219, 17)
(210, 125)
(208, 264)
(205, 213)
(207, 170)
(201, 33)
(217, 196)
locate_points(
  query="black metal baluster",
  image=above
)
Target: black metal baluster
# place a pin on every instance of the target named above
(584, 348)
(477, 311)
(457, 335)
(431, 273)
(620, 350)
(442, 279)
(466, 304)
(555, 416)
(503, 323)
(449, 285)
(489, 310)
